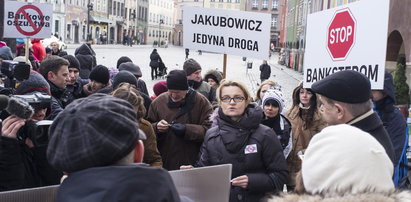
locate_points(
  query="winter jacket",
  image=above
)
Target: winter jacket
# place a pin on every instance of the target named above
(252, 149)
(57, 101)
(391, 117)
(402, 196)
(151, 154)
(135, 182)
(39, 51)
(86, 56)
(372, 124)
(204, 88)
(74, 91)
(24, 167)
(154, 59)
(301, 136)
(282, 129)
(176, 148)
(265, 70)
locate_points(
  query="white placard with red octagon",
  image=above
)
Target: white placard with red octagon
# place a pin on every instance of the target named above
(32, 20)
(352, 36)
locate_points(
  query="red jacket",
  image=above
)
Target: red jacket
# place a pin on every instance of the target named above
(38, 49)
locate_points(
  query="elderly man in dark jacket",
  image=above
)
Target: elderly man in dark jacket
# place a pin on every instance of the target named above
(180, 119)
(345, 98)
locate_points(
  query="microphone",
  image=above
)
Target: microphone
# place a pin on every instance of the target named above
(18, 107)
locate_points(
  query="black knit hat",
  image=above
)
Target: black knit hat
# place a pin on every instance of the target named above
(345, 86)
(124, 77)
(190, 66)
(122, 60)
(177, 80)
(100, 74)
(98, 130)
(74, 63)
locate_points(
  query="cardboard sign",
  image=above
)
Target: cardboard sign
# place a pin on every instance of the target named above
(349, 37)
(204, 184)
(22, 20)
(224, 31)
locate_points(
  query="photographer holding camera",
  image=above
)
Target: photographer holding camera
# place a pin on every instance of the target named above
(23, 162)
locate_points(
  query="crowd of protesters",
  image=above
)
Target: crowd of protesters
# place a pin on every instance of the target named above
(329, 145)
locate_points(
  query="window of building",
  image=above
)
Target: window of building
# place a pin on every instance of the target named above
(274, 21)
(110, 7)
(68, 36)
(275, 4)
(221, 0)
(114, 8)
(229, 1)
(212, 0)
(265, 4)
(118, 9)
(255, 4)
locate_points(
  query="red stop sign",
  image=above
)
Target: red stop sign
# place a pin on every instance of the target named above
(341, 34)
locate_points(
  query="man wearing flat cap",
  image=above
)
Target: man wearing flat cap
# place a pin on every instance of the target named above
(95, 140)
(345, 99)
(180, 120)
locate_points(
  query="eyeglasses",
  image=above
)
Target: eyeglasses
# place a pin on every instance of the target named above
(236, 99)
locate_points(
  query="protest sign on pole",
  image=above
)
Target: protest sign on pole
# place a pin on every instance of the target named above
(225, 31)
(27, 20)
(349, 37)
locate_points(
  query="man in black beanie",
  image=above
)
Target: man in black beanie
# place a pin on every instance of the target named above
(345, 99)
(99, 78)
(180, 120)
(195, 81)
(74, 89)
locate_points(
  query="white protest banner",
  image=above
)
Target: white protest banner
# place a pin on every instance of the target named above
(22, 20)
(349, 37)
(224, 31)
(206, 184)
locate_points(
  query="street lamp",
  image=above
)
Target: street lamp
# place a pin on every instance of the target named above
(89, 8)
(159, 30)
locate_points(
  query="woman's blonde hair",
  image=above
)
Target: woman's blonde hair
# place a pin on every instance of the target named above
(226, 83)
(269, 82)
(127, 92)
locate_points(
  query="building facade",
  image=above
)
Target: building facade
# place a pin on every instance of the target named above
(178, 18)
(142, 21)
(273, 8)
(239, 5)
(160, 22)
(76, 21)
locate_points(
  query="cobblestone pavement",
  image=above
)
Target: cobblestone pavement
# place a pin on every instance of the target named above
(174, 57)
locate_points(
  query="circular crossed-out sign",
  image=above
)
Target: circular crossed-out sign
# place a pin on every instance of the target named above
(23, 12)
(251, 148)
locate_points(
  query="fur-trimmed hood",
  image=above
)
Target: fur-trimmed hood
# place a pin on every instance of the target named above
(399, 196)
(213, 74)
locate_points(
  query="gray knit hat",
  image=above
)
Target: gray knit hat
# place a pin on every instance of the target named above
(131, 67)
(98, 130)
(190, 66)
(35, 83)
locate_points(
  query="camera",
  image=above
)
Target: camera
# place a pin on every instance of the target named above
(22, 106)
(36, 100)
(18, 70)
(37, 131)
